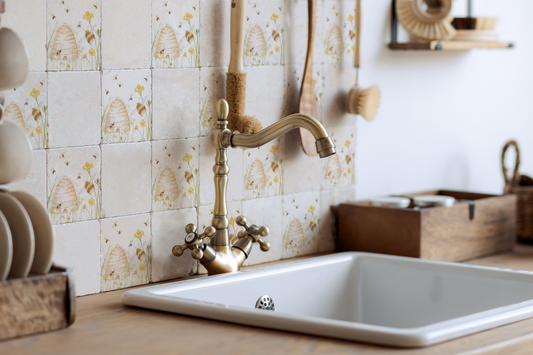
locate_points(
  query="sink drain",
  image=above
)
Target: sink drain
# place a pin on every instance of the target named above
(265, 302)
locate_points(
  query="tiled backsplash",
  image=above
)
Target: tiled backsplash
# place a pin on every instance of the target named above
(119, 105)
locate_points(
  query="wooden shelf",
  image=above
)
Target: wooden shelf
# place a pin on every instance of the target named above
(448, 45)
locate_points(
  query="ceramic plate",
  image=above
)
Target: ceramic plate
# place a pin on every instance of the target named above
(43, 231)
(22, 235)
(6, 247)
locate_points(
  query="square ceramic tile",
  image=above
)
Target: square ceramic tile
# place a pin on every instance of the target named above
(293, 86)
(126, 39)
(176, 107)
(77, 246)
(74, 184)
(175, 34)
(263, 171)
(74, 109)
(215, 27)
(265, 94)
(266, 212)
(301, 224)
(175, 174)
(207, 161)
(74, 30)
(339, 32)
(126, 106)
(126, 251)
(265, 40)
(212, 89)
(19, 13)
(27, 106)
(35, 182)
(300, 171)
(338, 80)
(168, 230)
(126, 175)
(328, 229)
(339, 169)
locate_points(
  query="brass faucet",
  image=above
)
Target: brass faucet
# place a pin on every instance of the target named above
(213, 247)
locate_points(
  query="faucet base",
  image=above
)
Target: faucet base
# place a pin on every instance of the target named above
(227, 260)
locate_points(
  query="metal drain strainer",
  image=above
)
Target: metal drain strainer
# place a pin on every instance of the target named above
(265, 302)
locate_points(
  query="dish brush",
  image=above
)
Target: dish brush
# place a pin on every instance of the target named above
(433, 23)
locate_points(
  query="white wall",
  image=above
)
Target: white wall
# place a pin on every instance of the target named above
(445, 116)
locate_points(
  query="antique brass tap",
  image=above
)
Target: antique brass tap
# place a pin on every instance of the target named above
(213, 247)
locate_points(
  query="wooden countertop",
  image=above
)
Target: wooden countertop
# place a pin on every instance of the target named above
(105, 326)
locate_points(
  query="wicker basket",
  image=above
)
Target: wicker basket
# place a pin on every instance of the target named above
(522, 187)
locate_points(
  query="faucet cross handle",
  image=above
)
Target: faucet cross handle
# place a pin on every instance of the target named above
(253, 232)
(194, 241)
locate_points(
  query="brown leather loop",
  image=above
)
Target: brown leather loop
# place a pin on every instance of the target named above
(514, 179)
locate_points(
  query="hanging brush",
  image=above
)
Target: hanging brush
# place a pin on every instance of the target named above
(361, 102)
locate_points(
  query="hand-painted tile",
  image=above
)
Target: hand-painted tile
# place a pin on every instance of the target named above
(338, 81)
(265, 94)
(207, 161)
(27, 106)
(300, 171)
(264, 42)
(74, 184)
(127, 106)
(328, 229)
(293, 86)
(263, 171)
(215, 27)
(339, 169)
(35, 182)
(168, 230)
(175, 174)
(339, 31)
(28, 19)
(175, 34)
(74, 30)
(176, 107)
(77, 246)
(301, 224)
(125, 252)
(212, 89)
(74, 109)
(126, 179)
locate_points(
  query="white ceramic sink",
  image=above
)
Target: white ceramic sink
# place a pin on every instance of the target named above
(356, 296)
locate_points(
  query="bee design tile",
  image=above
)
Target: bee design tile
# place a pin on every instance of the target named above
(265, 39)
(331, 197)
(215, 27)
(338, 80)
(293, 86)
(125, 252)
(339, 32)
(339, 169)
(74, 184)
(175, 34)
(212, 89)
(27, 106)
(35, 182)
(301, 224)
(74, 30)
(127, 106)
(263, 171)
(175, 174)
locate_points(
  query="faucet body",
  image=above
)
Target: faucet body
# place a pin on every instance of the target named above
(213, 247)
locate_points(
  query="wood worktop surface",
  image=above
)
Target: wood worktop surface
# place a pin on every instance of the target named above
(105, 326)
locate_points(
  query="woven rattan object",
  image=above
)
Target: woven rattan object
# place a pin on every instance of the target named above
(522, 187)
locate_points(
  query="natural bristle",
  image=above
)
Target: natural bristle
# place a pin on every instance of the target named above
(428, 28)
(368, 103)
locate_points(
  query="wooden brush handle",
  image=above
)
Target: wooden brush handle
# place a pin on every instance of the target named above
(357, 54)
(238, 22)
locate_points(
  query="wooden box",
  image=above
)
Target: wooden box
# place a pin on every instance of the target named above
(36, 304)
(481, 225)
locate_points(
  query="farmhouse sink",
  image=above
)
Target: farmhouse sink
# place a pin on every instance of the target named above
(362, 297)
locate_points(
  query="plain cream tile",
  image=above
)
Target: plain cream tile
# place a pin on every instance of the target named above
(339, 169)
(125, 251)
(338, 80)
(35, 182)
(74, 188)
(175, 34)
(212, 89)
(126, 34)
(168, 230)
(74, 30)
(338, 32)
(19, 14)
(74, 109)
(263, 170)
(126, 173)
(266, 212)
(126, 106)
(207, 161)
(27, 106)
(176, 103)
(328, 229)
(77, 246)
(215, 30)
(175, 174)
(265, 94)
